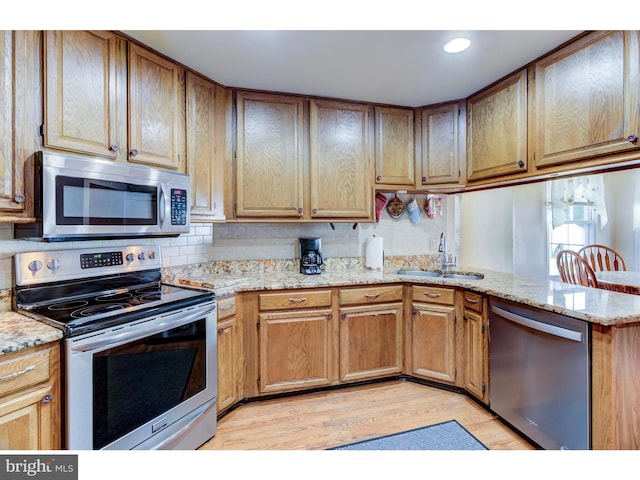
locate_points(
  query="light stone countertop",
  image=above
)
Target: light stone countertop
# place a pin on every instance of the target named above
(19, 331)
(592, 305)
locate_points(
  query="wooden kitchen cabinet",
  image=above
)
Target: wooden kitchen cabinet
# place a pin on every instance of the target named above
(205, 154)
(340, 161)
(587, 99)
(229, 354)
(20, 118)
(371, 343)
(433, 334)
(269, 165)
(156, 110)
(85, 92)
(296, 342)
(497, 129)
(442, 147)
(394, 147)
(30, 403)
(475, 346)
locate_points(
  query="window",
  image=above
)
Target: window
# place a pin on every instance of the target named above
(576, 228)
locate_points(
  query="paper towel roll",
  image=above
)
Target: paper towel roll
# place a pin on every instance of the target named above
(374, 253)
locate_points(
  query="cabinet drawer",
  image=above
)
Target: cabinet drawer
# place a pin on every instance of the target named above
(294, 299)
(473, 301)
(226, 307)
(358, 296)
(24, 370)
(444, 296)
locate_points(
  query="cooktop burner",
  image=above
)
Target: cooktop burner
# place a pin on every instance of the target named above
(77, 300)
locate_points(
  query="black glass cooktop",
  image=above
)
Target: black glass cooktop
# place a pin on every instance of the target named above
(80, 307)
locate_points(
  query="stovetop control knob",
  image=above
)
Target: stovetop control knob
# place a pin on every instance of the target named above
(35, 265)
(151, 255)
(130, 257)
(53, 264)
(141, 256)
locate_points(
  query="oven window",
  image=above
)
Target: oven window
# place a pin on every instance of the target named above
(136, 382)
(83, 201)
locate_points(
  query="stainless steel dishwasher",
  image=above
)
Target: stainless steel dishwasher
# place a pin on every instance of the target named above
(539, 378)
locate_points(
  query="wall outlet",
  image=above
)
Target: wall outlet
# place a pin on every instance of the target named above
(433, 243)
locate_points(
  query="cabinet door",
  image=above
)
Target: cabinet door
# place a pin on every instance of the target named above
(204, 158)
(497, 129)
(370, 341)
(85, 96)
(395, 158)
(587, 98)
(474, 354)
(269, 156)
(156, 110)
(20, 116)
(440, 145)
(433, 342)
(340, 160)
(228, 364)
(296, 350)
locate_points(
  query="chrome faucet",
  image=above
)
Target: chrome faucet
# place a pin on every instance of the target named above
(443, 248)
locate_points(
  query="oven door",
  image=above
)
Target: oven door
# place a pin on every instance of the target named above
(148, 384)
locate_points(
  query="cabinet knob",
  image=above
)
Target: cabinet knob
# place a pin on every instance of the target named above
(134, 152)
(520, 163)
(330, 316)
(300, 210)
(314, 211)
(19, 199)
(424, 179)
(632, 139)
(114, 148)
(378, 178)
(48, 398)
(414, 311)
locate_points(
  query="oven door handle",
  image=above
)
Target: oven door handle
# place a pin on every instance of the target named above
(111, 340)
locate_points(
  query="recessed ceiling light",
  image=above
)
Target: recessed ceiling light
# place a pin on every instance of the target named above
(457, 45)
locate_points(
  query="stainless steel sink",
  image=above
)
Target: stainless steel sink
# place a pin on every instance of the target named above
(426, 273)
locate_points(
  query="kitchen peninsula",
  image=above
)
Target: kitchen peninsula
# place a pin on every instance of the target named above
(614, 320)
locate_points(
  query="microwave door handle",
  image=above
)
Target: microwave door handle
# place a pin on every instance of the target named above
(163, 206)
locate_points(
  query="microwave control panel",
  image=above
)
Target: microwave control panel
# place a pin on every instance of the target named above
(178, 206)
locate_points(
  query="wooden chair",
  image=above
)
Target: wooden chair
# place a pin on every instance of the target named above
(574, 269)
(602, 259)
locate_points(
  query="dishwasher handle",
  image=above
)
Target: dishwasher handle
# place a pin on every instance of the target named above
(540, 326)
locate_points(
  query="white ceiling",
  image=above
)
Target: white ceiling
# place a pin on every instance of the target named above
(398, 67)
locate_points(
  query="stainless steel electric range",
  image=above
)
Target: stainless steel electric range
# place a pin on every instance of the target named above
(140, 356)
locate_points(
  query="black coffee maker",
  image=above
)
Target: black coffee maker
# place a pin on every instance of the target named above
(310, 256)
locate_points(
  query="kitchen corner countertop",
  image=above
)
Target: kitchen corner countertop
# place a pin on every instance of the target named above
(590, 304)
(19, 331)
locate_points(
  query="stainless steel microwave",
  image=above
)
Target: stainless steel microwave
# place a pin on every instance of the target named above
(78, 198)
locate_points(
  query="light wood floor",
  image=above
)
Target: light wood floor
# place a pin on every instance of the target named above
(318, 421)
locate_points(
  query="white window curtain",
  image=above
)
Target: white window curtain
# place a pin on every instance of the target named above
(566, 191)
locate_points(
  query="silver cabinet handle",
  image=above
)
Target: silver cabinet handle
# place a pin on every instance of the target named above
(298, 300)
(17, 374)
(371, 295)
(228, 307)
(432, 295)
(470, 300)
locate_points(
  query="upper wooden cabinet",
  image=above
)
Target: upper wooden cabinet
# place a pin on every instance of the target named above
(85, 92)
(20, 117)
(156, 110)
(587, 99)
(442, 144)
(340, 160)
(269, 156)
(497, 129)
(394, 147)
(204, 153)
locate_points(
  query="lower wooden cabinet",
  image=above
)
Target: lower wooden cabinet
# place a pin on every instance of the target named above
(229, 354)
(30, 401)
(432, 333)
(475, 346)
